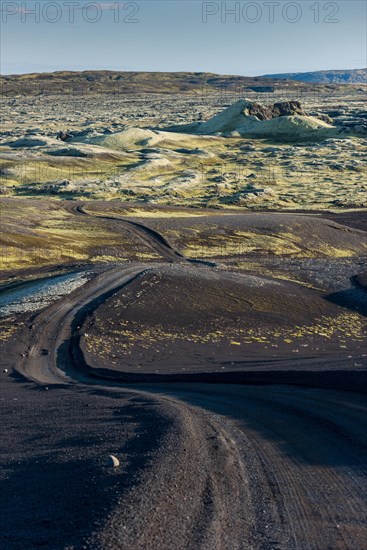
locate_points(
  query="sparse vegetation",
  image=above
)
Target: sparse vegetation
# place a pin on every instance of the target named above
(117, 152)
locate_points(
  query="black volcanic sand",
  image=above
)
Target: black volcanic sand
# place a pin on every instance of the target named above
(202, 465)
(181, 319)
(315, 233)
(292, 235)
(56, 485)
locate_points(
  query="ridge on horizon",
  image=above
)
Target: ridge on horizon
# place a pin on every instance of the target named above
(281, 75)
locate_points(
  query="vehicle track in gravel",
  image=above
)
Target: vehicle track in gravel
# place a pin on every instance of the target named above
(262, 467)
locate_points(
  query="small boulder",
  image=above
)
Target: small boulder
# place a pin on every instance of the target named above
(113, 462)
(64, 136)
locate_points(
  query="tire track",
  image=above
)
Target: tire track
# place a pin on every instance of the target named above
(242, 467)
(215, 500)
(307, 484)
(149, 236)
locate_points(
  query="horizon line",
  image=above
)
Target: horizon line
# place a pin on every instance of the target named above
(177, 72)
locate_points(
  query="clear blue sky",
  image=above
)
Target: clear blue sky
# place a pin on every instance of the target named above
(172, 36)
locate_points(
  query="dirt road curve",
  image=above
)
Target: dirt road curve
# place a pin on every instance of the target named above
(152, 238)
(303, 461)
(43, 360)
(240, 466)
(222, 466)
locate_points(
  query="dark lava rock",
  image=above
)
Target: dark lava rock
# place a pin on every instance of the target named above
(64, 136)
(282, 108)
(287, 108)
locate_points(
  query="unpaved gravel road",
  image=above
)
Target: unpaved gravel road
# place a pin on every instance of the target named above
(152, 238)
(233, 467)
(238, 467)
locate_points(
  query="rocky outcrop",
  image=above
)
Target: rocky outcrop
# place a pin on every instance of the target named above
(64, 136)
(283, 120)
(267, 112)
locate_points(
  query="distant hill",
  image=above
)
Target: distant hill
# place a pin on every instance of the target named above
(353, 76)
(113, 82)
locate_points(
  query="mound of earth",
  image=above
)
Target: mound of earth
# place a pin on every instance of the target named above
(289, 127)
(86, 151)
(248, 119)
(181, 318)
(31, 141)
(132, 138)
(69, 152)
(129, 139)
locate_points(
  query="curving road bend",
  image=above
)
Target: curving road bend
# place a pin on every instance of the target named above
(304, 456)
(241, 467)
(152, 238)
(55, 325)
